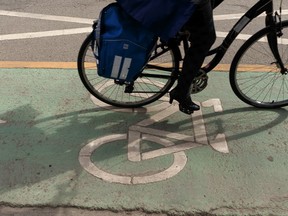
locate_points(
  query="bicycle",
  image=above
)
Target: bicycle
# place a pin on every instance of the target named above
(258, 82)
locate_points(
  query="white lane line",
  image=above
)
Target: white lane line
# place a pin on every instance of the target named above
(89, 29)
(45, 34)
(89, 21)
(283, 41)
(30, 35)
(46, 17)
(237, 16)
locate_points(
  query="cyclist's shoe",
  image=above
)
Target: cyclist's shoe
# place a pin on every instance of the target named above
(186, 105)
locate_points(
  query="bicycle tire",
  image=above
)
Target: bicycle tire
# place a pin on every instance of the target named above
(254, 75)
(156, 79)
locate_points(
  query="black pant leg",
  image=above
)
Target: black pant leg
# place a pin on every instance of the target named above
(202, 37)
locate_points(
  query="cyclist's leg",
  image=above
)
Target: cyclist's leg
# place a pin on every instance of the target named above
(202, 37)
(201, 28)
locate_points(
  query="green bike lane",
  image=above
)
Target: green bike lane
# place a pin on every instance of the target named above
(47, 118)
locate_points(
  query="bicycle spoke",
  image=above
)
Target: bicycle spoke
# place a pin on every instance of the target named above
(155, 80)
(257, 78)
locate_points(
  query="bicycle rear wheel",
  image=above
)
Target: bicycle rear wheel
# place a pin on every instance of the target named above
(156, 79)
(255, 76)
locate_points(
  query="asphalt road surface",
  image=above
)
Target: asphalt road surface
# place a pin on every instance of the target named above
(34, 30)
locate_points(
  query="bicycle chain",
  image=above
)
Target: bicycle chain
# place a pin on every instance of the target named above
(200, 82)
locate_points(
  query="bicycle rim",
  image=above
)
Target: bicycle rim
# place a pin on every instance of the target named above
(255, 77)
(155, 80)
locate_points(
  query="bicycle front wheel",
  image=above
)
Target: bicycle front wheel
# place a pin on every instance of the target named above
(255, 76)
(155, 80)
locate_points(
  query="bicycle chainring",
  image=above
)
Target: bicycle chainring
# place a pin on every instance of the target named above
(200, 82)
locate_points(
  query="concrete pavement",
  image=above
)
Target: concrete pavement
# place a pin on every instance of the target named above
(62, 211)
(61, 148)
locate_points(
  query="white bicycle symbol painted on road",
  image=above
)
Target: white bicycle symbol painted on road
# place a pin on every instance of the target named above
(141, 132)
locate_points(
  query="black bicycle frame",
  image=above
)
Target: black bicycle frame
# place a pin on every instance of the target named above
(219, 52)
(260, 7)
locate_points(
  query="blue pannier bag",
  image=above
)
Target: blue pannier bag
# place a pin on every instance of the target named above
(122, 46)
